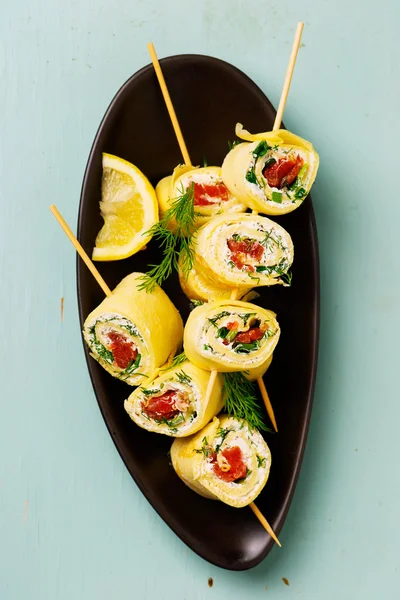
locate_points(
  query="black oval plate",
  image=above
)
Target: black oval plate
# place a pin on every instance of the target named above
(210, 96)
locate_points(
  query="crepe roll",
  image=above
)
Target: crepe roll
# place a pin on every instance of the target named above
(132, 332)
(198, 286)
(231, 335)
(174, 402)
(225, 461)
(210, 195)
(270, 172)
(243, 250)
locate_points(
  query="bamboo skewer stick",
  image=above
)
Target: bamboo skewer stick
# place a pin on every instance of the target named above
(267, 402)
(289, 75)
(80, 251)
(210, 385)
(168, 102)
(185, 154)
(264, 523)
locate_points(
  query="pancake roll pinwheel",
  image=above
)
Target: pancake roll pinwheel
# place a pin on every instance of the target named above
(132, 333)
(270, 172)
(175, 403)
(210, 195)
(226, 461)
(243, 250)
(197, 285)
(230, 336)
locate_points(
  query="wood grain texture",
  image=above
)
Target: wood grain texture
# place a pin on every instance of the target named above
(72, 523)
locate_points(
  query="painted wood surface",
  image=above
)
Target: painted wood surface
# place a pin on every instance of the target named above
(72, 522)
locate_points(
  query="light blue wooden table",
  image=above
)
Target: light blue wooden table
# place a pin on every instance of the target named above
(73, 525)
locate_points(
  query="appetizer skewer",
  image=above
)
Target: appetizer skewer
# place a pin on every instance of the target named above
(108, 292)
(122, 333)
(235, 293)
(276, 127)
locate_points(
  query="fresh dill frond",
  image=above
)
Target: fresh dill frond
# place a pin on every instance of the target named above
(178, 359)
(175, 243)
(222, 433)
(254, 277)
(195, 303)
(241, 400)
(287, 278)
(183, 377)
(205, 448)
(231, 145)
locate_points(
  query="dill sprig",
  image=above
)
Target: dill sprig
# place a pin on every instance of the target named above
(231, 145)
(287, 278)
(205, 449)
(241, 400)
(195, 303)
(183, 377)
(178, 359)
(175, 243)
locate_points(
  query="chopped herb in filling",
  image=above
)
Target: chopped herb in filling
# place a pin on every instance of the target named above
(260, 461)
(243, 342)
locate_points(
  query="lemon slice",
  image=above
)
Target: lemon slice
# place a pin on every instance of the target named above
(129, 208)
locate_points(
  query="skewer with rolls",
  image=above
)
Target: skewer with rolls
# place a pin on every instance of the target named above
(272, 172)
(117, 300)
(265, 274)
(122, 333)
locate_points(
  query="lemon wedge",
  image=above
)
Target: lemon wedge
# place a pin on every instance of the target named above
(129, 209)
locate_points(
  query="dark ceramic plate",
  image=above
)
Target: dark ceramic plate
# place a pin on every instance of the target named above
(210, 97)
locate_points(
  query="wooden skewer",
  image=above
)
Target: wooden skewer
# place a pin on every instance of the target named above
(80, 251)
(277, 125)
(168, 102)
(289, 75)
(267, 402)
(264, 523)
(211, 383)
(235, 292)
(260, 381)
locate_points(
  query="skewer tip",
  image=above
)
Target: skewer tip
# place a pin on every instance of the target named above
(264, 523)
